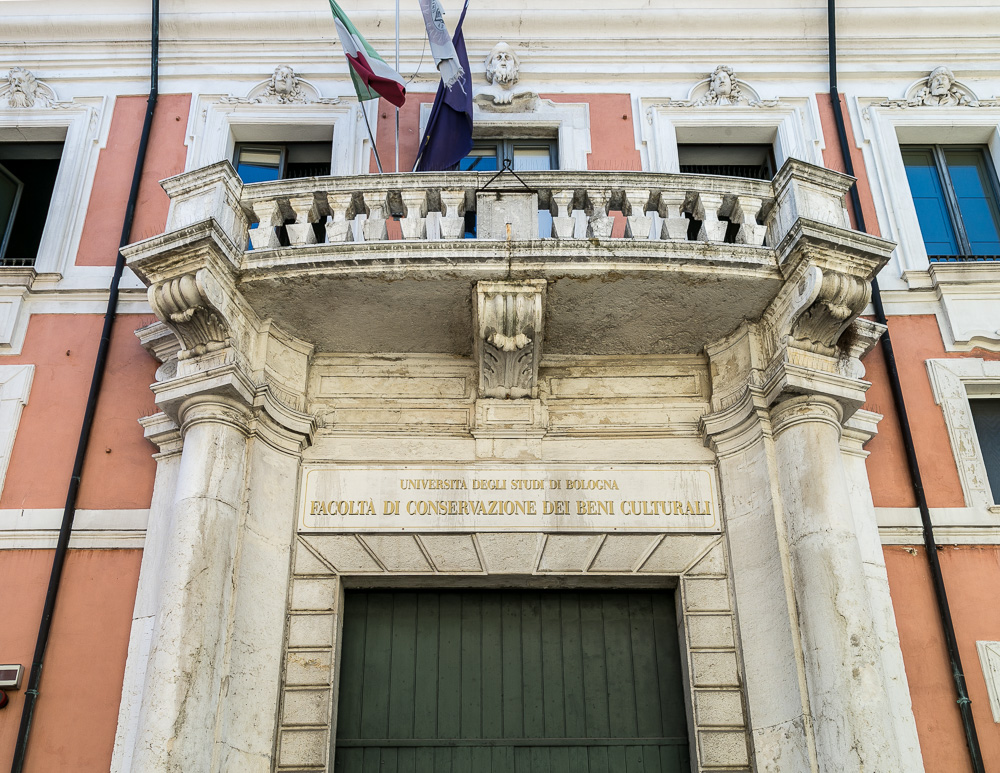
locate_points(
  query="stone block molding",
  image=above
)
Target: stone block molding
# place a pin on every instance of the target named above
(696, 565)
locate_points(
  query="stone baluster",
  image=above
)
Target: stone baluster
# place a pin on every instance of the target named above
(339, 228)
(600, 224)
(374, 227)
(306, 213)
(414, 225)
(675, 225)
(744, 211)
(265, 235)
(639, 224)
(707, 211)
(452, 214)
(563, 222)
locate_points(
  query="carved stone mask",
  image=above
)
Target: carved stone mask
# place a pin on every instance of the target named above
(940, 82)
(283, 81)
(722, 83)
(502, 65)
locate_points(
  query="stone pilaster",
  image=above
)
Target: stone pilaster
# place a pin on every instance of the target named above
(809, 616)
(214, 600)
(847, 689)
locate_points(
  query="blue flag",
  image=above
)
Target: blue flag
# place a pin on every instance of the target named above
(448, 136)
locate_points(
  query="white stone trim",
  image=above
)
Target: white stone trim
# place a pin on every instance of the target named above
(77, 124)
(880, 130)
(696, 563)
(26, 529)
(15, 383)
(989, 659)
(216, 126)
(951, 381)
(569, 122)
(793, 126)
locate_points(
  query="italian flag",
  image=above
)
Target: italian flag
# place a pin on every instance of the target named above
(372, 77)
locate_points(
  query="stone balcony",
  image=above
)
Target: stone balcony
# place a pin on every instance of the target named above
(631, 262)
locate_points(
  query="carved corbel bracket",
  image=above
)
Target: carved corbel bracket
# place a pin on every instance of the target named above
(824, 304)
(509, 337)
(190, 305)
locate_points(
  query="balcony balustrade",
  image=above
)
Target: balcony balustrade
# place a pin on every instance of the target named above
(633, 262)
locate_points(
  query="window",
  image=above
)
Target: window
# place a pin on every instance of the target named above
(260, 162)
(954, 190)
(27, 177)
(753, 161)
(986, 417)
(524, 155)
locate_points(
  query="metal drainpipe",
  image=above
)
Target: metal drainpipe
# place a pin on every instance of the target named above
(930, 545)
(66, 527)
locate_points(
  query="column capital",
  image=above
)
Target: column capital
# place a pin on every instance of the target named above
(806, 408)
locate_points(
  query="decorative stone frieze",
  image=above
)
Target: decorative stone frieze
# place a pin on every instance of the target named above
(722, 88)
(509, 337)
(939, 89)
(284, 87)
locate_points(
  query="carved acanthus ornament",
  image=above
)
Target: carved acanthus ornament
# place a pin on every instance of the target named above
(509, 328)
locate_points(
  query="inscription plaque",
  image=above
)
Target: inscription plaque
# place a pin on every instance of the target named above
(485, 497)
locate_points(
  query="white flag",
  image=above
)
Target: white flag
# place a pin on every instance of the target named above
(442, 49)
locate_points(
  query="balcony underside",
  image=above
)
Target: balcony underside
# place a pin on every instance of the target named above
(602, 297)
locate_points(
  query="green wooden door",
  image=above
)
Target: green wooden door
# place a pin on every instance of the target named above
(510, 682)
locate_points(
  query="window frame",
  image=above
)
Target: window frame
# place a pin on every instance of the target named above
(506, 145)
(937, 152)
(952, 381)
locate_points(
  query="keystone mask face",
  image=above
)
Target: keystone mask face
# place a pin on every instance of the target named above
(283, 81)
(722, 83)
(940, 82)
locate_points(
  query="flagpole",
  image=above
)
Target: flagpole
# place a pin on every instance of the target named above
(378, 161)
(396, 167)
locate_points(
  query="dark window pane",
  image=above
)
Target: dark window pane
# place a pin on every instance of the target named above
(976, 199)
(986, 415)
(36, 165)
(736, 160)
(10, 193)
(929, 200)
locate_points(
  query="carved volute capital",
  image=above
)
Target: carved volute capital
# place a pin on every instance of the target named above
(509, 337)
(189, 305)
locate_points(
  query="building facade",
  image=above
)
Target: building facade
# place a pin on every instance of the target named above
(604, 462)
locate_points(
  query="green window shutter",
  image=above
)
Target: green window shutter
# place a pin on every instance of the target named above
(511, 682)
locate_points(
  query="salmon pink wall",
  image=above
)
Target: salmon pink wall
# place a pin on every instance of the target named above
(972, 575)
(611, 130)
(77, 708)
(833, 158)
(102, 228)
(119, 468)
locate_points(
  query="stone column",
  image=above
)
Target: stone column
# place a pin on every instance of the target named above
(184, 684)
(840, 647)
